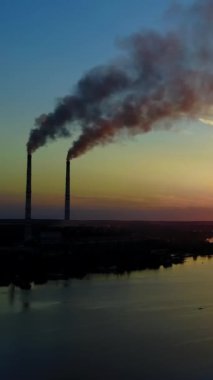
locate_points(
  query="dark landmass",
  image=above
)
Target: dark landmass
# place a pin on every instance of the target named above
(58, 249)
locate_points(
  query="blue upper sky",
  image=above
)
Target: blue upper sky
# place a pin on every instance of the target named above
(46, 46)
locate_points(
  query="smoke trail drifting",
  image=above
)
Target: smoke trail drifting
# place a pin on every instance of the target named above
(98, 84)
(165, 76)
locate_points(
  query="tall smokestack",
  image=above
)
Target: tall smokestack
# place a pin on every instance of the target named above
(67, 192)
(28, 188)
(28, 232)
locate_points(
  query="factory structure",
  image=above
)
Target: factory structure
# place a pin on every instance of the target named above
(28, 196)
(28, 201)
(67, 192)
(28, 188)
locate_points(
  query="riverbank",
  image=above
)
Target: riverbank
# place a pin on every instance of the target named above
(58, 249)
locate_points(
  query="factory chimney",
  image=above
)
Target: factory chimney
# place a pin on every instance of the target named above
(28, 188)
(67, 192)
(28, 198)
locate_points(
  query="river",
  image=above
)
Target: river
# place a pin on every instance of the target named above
(152, 324)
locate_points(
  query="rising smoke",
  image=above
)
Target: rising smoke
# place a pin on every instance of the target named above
(161, 77)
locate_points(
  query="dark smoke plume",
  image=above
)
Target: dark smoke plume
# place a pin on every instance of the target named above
(97, 85)
(163, 77)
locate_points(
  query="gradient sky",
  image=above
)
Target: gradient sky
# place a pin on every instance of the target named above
(46, 46)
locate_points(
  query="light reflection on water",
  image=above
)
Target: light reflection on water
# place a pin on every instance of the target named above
(146, 325)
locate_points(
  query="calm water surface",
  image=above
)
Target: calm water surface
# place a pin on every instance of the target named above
(146, 325)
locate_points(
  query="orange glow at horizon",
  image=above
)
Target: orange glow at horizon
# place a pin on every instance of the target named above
(151, 174)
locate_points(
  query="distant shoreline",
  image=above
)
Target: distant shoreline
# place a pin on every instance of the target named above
(77, 248)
